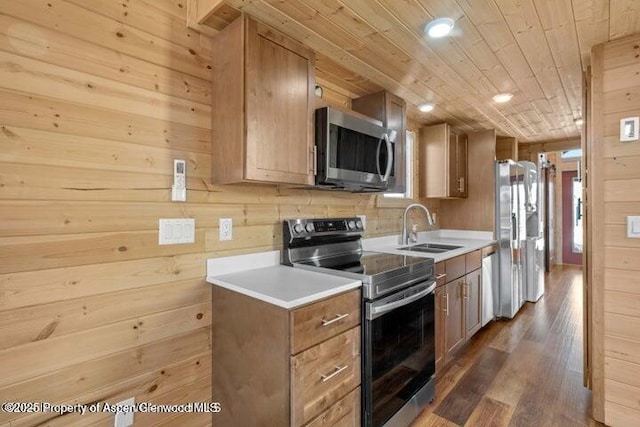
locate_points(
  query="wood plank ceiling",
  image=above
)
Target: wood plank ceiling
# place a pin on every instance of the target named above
(534, 49)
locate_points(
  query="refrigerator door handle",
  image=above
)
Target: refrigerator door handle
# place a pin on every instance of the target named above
(514, 227)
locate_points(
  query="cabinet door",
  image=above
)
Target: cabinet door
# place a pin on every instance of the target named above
(440, 320)
(462, 165)
(454, 335)
(434, 167)
(458, 179)
(453, 182)
(473, 303)
(279, 96)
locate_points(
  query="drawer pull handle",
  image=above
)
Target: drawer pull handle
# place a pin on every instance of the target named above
(440, 276)
(337, 370)
(335, 319)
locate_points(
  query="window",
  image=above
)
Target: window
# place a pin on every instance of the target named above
(572, 154)
(408, 179)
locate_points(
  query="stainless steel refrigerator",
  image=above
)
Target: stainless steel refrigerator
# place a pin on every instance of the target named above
(534, 250)
(510, 232)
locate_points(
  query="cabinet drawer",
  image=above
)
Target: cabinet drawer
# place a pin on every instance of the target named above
(473, 261)
(441, 273)
(322, 375)
(455, 268)
(344, 413)
(317, 322)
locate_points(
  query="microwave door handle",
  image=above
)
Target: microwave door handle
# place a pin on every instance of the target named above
(378, 159)
(385, 178)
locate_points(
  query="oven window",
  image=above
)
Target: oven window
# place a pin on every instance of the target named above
(402, 356)
(354, 151)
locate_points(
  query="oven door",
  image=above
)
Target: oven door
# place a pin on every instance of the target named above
(354, 153)
(398, 349)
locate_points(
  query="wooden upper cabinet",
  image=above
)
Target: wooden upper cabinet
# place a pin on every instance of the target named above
(443, 162)
(262, 106)
(460, 152)
(391, 110)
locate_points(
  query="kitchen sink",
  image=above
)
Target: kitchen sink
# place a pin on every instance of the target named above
(434, 248)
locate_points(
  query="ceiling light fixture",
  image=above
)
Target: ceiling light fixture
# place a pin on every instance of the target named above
(579, 122)
(439, 27)
(426, 107)
(501, 98)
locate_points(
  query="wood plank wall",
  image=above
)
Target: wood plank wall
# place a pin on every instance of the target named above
(614, 194)
(96, 100)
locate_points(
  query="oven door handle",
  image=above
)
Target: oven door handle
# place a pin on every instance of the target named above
(378, 311)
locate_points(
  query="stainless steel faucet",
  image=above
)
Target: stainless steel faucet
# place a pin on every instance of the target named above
(405, 232)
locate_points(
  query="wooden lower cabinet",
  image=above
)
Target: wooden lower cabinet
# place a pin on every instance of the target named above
(454, 324)
(323, 374)
(279, 367)
(458, 305)
(344, 413)
(473, 303)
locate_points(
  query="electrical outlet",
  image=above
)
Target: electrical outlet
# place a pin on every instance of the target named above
(226, 229)
(124, 415)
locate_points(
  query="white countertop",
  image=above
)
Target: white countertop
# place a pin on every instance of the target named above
(262, 277)
(469, 240)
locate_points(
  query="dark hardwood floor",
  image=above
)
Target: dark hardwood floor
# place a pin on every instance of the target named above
(522, 372)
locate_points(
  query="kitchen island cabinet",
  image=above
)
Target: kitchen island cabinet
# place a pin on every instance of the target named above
(262, 106)
(283, 366)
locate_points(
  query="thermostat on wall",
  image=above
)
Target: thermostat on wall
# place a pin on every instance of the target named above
(629, 129)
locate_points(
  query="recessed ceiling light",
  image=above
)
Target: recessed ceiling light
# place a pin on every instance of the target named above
(439, 27)
(426, 107)
(579, 122)
(501, 98)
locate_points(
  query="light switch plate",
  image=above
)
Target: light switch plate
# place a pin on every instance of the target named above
(629, 129)
(633, 227)
(174, 231)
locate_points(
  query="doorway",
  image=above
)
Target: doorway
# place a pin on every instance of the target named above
(572, 208)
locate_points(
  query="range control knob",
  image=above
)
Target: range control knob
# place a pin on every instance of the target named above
(359, 224)
(309, 227)
(298, 228)
(351, 225)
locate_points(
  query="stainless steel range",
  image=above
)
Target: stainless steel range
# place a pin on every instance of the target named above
(398, 343)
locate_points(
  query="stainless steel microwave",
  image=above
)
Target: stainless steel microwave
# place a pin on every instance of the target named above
(353, 153)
